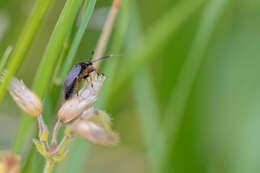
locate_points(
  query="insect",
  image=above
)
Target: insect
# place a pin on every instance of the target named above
(78, 72)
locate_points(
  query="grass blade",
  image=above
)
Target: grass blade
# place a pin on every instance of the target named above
(76, 41)
(47, 66)
(191, 66)
(44, 74)
(75, 160)
(154, 39)
(106, 32)
(5, 57)
(111, 67)
(147, 107)
(188, 74)
(30, 28)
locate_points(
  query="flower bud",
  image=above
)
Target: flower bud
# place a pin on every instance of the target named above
(28, 101)
(75, 106)
(95, 133)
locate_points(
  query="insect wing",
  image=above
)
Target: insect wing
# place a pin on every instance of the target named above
(69, 83)
(75, 71)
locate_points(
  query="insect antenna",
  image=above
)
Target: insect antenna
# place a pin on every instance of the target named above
(102, 58)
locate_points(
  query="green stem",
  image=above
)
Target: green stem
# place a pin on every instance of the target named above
(63, 143)
(48, 166)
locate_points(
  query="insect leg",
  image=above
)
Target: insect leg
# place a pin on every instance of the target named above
(91, 69)
(91, 81)
(98, 72)
(88, 77)
(77, 85)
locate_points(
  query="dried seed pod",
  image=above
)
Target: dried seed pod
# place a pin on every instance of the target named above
(95, 133)
(28, 101)
(75, 106)
(9, 162)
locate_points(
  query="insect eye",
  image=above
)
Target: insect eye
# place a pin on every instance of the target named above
(84, 65)
(87, 63)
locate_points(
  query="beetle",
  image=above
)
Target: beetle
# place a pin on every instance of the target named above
(78, 72)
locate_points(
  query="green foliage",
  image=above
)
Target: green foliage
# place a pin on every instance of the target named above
(30, 28)
(46, 68)
(183, 94)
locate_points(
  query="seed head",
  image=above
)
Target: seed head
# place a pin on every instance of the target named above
(95, 126)
(28, 101)
(95, 133)
(75, 106)
(9, 162)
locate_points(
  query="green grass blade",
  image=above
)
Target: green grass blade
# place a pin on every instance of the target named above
(47, 66)
(191, 66)
(5, 57)
(158, 35)
(112, 66)
(44, 74)
(68, 55)
(147, 107)
(188, 74)
(79, 146)
(55, 45)
(75, 159)
(24, 41)
(76, 41)
(149, 113)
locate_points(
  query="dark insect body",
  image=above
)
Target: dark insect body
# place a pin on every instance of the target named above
(78, 72)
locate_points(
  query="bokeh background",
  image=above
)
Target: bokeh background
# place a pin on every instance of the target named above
(190, 86)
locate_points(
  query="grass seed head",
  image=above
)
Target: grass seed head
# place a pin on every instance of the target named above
(95, 133)
(27, 100)
(74, 107)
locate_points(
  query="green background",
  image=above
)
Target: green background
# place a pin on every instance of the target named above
(189, 88)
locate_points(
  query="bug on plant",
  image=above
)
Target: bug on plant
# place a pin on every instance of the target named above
(78, 72)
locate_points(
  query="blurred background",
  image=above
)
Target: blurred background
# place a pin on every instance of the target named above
(189, 93)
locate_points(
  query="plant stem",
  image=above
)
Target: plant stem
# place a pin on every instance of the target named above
(103, 39)
(41, 124)
(111, 67)
(63, 144)
(48, 166)
(55, 133)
